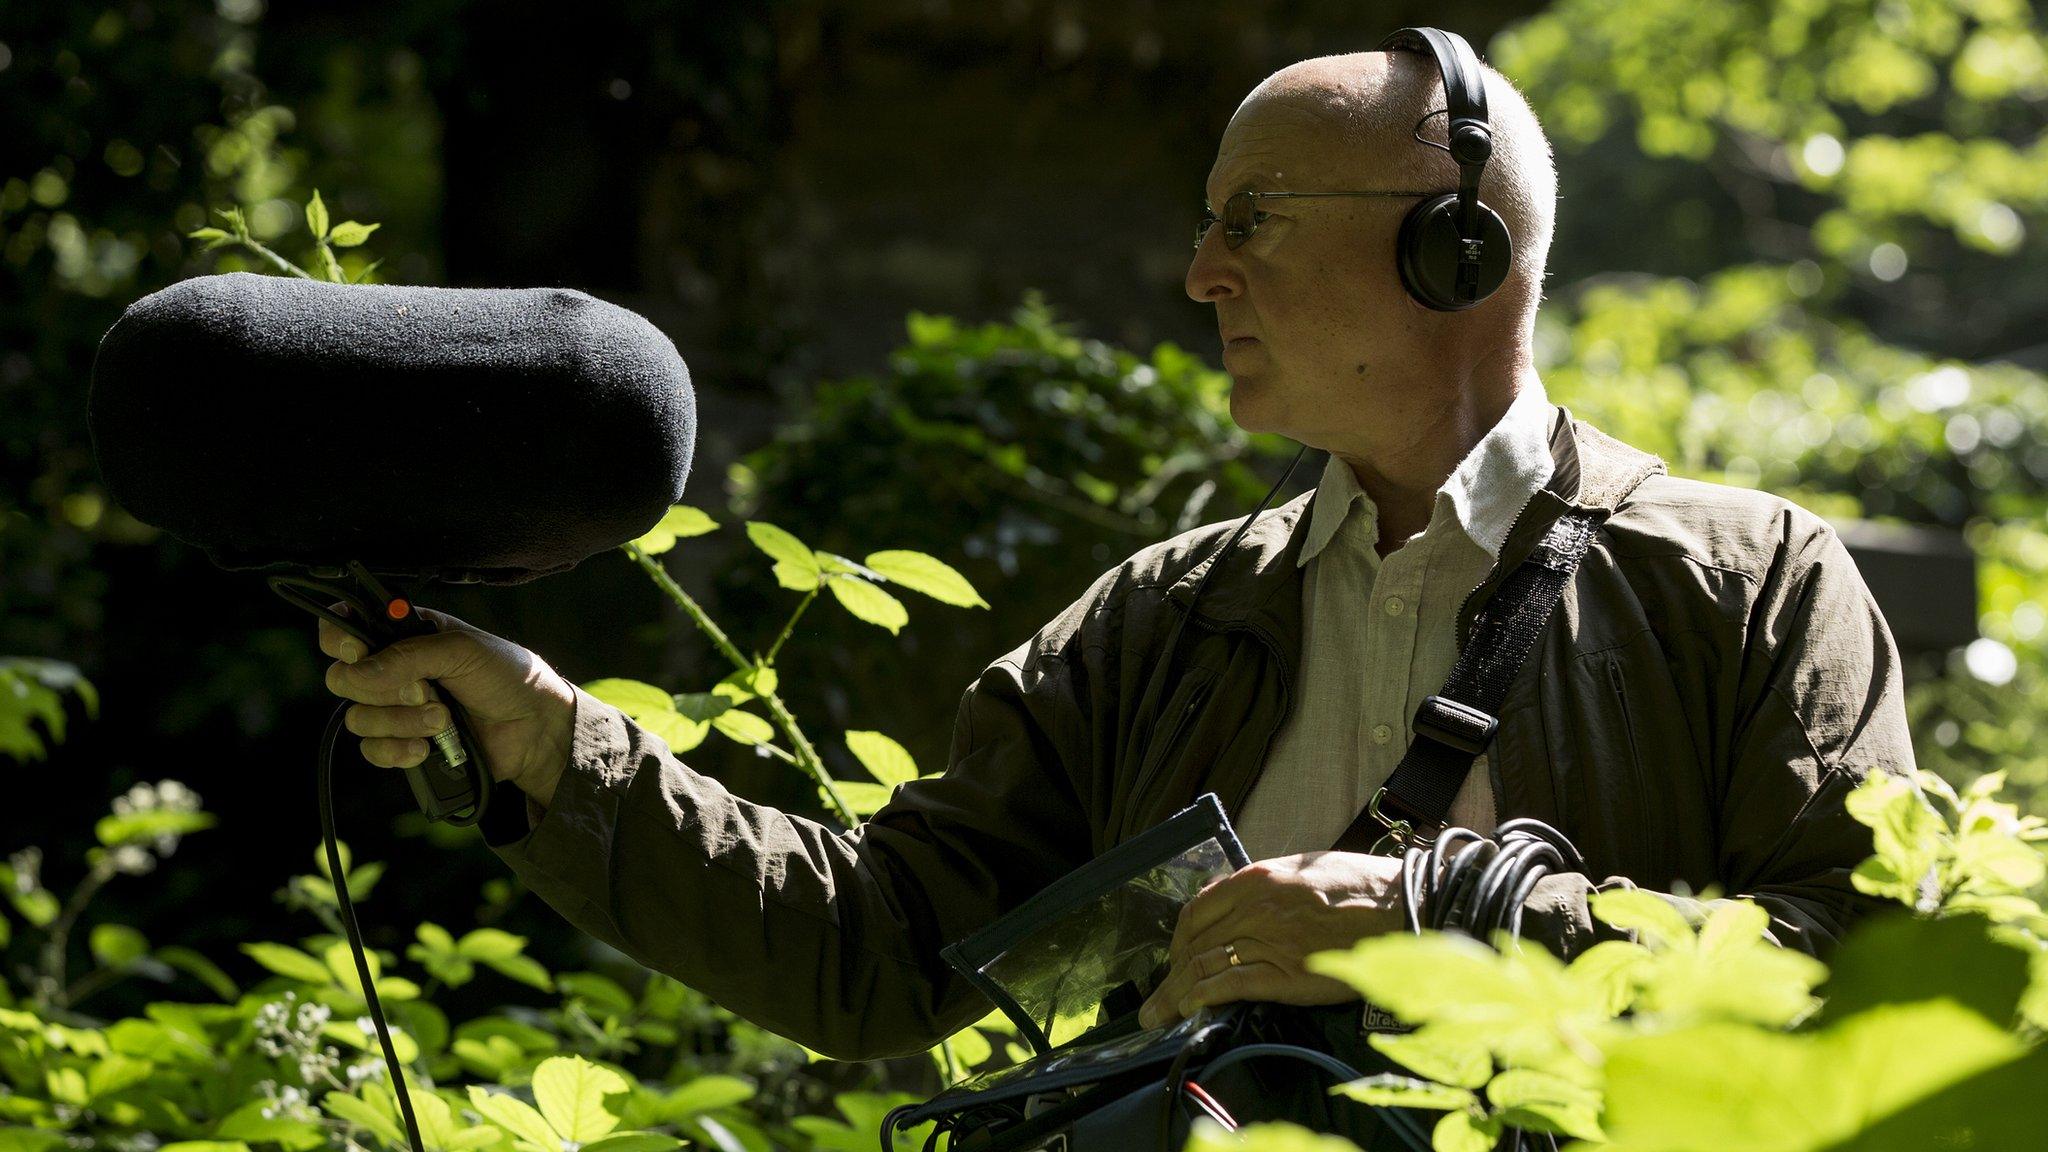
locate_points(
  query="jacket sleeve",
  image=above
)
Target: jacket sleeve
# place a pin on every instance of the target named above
(1821, 705)
(828, 937)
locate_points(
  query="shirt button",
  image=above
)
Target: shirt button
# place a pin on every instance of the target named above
(1394, 605)
(1381, 733)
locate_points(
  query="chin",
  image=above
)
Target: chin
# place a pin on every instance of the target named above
(1250, 408)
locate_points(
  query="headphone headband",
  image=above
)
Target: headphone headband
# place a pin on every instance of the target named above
(1454, 251)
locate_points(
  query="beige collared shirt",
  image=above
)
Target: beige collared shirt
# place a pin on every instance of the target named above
(1379, 635)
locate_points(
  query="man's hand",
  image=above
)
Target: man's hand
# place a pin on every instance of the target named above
(1275, 913)
(520, 710)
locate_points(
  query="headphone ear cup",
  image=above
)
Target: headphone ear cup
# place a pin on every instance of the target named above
(1428, 247)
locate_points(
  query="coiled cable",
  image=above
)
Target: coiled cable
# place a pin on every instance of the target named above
(1477, 885)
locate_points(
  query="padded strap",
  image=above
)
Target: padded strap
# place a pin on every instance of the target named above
(1453, 727)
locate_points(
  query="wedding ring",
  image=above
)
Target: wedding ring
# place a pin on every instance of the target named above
(1230, 950)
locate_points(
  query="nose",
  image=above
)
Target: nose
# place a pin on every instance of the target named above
(1215, 273)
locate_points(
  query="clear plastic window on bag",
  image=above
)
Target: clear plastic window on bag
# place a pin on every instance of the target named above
(1094, 942)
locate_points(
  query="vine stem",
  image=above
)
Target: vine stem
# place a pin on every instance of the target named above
(58, 942)
(276, 261)
(806, 756)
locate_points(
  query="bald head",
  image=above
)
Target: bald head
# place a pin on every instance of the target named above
(1367, 106)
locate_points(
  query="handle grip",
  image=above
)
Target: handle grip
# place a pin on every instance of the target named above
(450, 785)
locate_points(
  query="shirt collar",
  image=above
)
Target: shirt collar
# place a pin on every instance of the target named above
(1483, 494)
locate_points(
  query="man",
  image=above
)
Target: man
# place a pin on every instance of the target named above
(1714, 681)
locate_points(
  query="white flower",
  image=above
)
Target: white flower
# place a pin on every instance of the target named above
(28, 866)
(174, 795)
(367, 1025)
(132, 860)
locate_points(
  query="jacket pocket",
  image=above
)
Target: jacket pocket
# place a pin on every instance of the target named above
(1635, 756)
(1174, 724)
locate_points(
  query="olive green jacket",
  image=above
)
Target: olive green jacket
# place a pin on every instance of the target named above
(1714, 680)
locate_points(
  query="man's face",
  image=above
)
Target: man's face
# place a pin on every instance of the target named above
(1318, 332)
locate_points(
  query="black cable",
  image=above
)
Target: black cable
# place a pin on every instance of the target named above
(1478, 885)
(324, 785)
(1173, 645)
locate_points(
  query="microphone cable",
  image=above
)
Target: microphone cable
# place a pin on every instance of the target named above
(324, 785)
(1477, 885)
(1173, 645)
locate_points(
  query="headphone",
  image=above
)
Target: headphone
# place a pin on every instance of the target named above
(1453, 251)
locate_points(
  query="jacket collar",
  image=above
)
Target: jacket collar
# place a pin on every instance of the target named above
(1590, 470)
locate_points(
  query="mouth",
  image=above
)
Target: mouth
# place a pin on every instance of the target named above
(1230, 342)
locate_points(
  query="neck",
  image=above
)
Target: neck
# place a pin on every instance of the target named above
(1401, 468)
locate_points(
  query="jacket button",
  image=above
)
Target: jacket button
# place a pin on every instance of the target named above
(1394, 605)
(1381, 733)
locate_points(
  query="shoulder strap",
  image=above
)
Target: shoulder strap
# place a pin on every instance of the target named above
(1453, 727)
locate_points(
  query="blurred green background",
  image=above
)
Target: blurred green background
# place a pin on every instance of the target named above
(924, 260)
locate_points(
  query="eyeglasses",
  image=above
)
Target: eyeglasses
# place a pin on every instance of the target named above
(1241, 216)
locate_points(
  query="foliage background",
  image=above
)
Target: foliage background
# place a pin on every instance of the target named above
(1799, 247)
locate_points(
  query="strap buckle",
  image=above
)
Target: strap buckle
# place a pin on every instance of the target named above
(1454, 725)
(1401, 833)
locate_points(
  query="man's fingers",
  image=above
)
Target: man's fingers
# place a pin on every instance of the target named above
(398, 668)
(1163, 1004)
(337, 643)
(1209, 907)
(385, 752)
(366, 683)
(401, 722)
(1251, 980)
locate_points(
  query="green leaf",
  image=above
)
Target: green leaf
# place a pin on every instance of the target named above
(1414, 976)
(634, 1142)
(869, 603)
(885, 759)
(601, 994)
(795, 577)
(1545, 1102)
(204, 1146)
(250, 1126)
(632, 697)
(341, 964)
(1719, 1085)
(135, 827)
(514, 1116)
(1386, 1090)
(291, 962)
(700, 1095)
(678, 523)
(212, 237)
(489, 944)
(1462, 1132)
(1891, 959)
(38, 906)
(316, 216)
(524, 969)
(744, 727)
(927, 574)
(1610, 970)
(703, 706)
(746, 683)
(117, 946)
(348, 1034)
(1654, 921)
(571, 1094)
(863, 798)
(349, 234)
(794, 562)
(1438, 1054)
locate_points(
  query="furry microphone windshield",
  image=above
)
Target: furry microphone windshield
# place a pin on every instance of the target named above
(462, 434)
